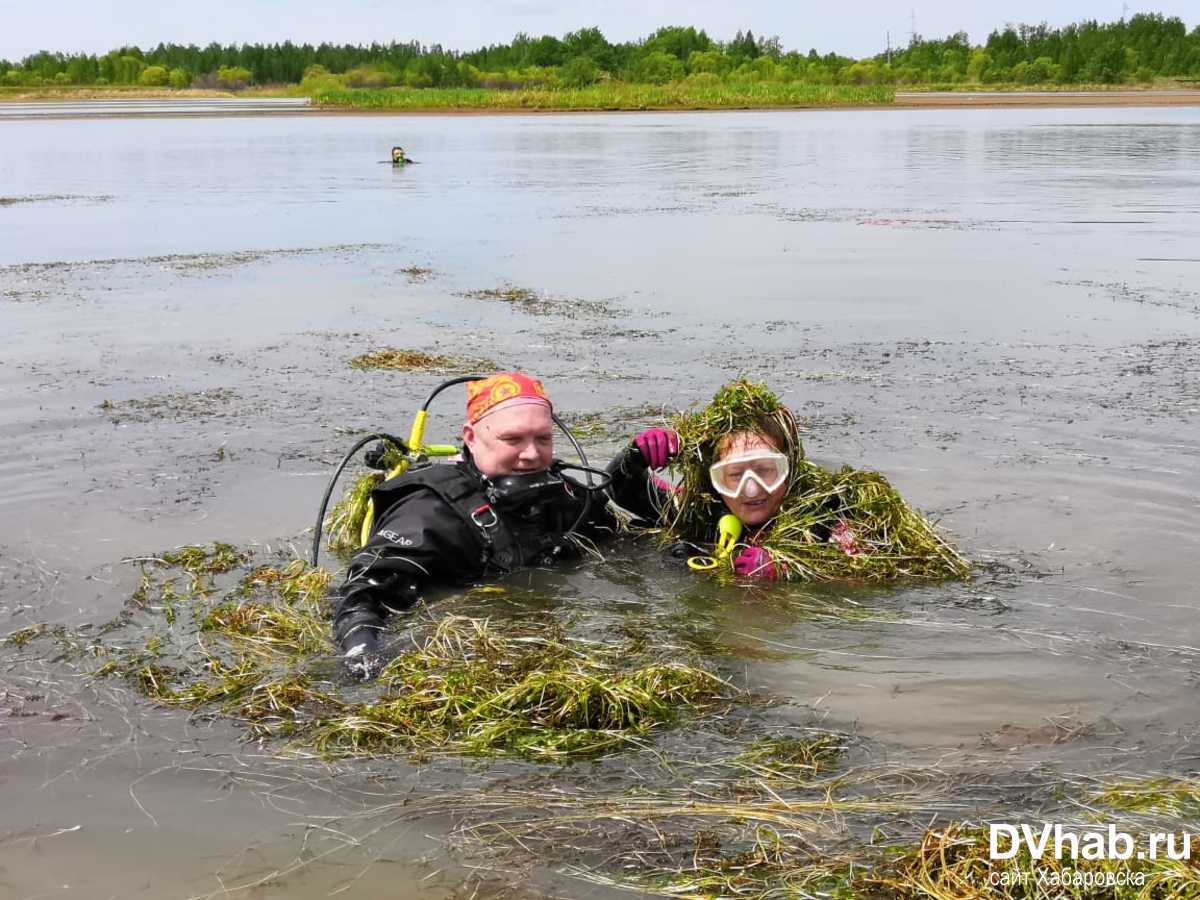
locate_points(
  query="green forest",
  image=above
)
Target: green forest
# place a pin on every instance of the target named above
(1142, 49)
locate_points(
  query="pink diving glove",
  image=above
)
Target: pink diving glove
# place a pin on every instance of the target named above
(755, 562)
(658, 446)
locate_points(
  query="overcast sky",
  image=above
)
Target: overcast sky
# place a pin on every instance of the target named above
(854, 28)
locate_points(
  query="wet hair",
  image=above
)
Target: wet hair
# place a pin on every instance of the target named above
(740, 407)
(779, 429)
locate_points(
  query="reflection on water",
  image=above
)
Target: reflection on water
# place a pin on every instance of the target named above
(179, 106)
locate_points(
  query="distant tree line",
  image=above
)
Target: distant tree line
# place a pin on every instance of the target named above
(1143, 48)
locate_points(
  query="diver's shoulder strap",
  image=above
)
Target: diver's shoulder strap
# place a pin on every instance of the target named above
(464, 493)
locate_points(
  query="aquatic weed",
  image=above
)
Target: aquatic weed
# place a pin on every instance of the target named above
(849, 524)
(463, 688)
(418, 360)
(470, 690)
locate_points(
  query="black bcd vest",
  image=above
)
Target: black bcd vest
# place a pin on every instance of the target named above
(503, 542)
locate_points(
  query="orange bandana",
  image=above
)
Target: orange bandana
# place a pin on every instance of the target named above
(485, 396)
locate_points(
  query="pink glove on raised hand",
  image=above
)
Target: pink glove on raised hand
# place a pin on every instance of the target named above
(755, 562)
(658, 446)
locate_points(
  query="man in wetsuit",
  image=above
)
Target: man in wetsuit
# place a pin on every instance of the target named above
(504, 506)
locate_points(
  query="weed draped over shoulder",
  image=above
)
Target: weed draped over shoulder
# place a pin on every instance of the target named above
(888, 538)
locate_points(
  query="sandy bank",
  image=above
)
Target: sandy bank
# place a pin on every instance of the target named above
(987, 99)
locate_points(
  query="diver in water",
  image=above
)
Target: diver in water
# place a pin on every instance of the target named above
(743, 474)
(505, 505)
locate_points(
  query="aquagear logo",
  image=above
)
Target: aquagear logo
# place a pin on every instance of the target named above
(396, 538)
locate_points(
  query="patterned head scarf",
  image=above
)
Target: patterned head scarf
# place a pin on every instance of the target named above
(503, 389)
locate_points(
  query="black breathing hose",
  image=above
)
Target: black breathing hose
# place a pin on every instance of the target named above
(380, 436)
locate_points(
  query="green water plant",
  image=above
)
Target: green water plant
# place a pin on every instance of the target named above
(259, 652)
(530, 692)
(418, 360)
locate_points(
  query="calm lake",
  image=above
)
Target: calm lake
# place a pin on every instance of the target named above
(997, 309)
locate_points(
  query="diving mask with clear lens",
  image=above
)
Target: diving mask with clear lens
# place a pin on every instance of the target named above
(767, 469)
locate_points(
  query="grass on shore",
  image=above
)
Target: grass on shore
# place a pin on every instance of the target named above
(607, 96)
(610, 96)
(130, 91)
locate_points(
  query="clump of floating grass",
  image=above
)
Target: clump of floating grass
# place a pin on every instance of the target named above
(507, 294)
(245, 653)
(255, 654)
(833, 525)
(791, 759)
(294, 583)
(417, 360)
(468, 689)
(270, 628)
(202, 560)
(780, 860)
(23, 636)
(720, 836)
(888, 539)
(199, 563)
(770, 867)
(1159, 795)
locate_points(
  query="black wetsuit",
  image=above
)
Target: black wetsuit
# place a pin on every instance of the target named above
(438, 525)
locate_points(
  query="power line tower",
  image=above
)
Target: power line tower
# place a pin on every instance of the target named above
(889, 45)
(912, 26)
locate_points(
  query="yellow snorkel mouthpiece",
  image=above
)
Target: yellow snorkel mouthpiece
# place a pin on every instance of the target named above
(729, 530)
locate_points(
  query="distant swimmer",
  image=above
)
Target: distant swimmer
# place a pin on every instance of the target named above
(399, 158)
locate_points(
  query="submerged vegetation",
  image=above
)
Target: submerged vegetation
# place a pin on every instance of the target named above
(849, 524)
(733, 836)
(259, 651)
(533, 693)
(507, 294)
(675, 66)
(734, 807)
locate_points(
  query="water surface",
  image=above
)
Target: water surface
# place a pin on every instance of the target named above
(995, 308)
